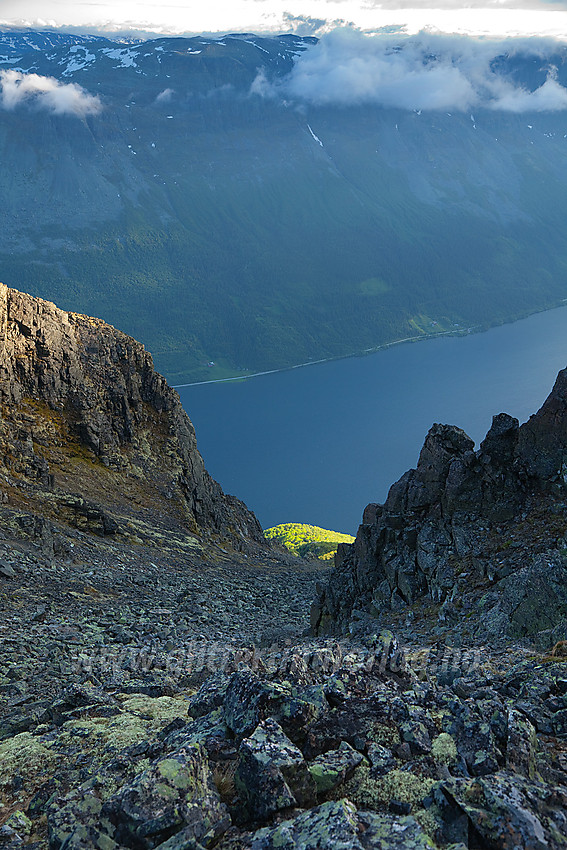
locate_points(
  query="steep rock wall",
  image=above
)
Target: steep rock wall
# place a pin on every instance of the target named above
(71, 380)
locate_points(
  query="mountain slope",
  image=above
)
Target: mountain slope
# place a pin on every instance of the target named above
(158, 689)
(221, 226)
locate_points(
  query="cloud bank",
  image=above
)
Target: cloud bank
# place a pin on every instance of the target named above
(17, 89)
(423, 72)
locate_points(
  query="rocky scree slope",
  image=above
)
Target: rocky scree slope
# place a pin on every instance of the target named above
(93, 437)
(472, 541)
(135, 710)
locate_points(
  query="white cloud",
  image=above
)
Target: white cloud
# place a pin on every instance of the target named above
(46, 93)
(426, 71)
(165, 96)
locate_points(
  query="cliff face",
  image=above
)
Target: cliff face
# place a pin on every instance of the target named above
(479, 536)
(92, 434)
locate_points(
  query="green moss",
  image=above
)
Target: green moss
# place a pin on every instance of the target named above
(161, 709)
(376, 794)
(444, 749)
(430, 820)
(117, 733)
(26, 756)
(385, 735)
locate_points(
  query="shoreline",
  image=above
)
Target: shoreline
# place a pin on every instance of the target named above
(375, 350)
(364, 353)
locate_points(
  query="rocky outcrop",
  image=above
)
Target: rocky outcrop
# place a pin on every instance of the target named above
(85, 413)
(479, 533)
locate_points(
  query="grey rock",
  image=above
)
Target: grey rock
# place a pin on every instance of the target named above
(96, 387)
(272, 773)
(7, 570)
(531, 600)
(521, 746)
(333, 767)
(509, 811)
(175, 793)
(435, 524)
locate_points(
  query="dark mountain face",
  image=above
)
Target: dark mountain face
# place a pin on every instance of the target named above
(474, 540)
(222, 226)
(92, 437)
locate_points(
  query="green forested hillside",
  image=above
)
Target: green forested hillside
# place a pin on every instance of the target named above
(308, 541)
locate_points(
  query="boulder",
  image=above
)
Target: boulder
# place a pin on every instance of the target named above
(272, 773)
(174, 795)
(333, 767)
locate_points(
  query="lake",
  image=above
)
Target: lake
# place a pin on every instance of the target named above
(317, 444)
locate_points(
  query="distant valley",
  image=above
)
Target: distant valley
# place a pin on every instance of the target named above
(233, 229)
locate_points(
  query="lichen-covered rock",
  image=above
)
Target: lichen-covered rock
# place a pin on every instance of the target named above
(77, 700)
(379, 831)
(175, 793)
(272, 773)
(333, 767)
(249, 699)
(15, 829)
(381, 759)
(521, 746)
(338, 825)
(210, 731)
(358, 721)
(89, 838)
(329, 825)
(76, 820)
(509, 811)
(474, 739)
(210, 696)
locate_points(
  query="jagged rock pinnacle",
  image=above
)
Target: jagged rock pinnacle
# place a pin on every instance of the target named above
(477, 533)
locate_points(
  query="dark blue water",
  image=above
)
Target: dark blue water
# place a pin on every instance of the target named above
(317, 444)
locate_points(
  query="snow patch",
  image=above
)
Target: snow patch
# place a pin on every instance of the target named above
(125, 56)
(246, 41)
(317, 139)
(81, 59)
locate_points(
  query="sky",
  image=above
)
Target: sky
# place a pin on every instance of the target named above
(305, 17)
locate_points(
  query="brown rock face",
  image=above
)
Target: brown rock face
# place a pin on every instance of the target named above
(84, 413)
(482, 516)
